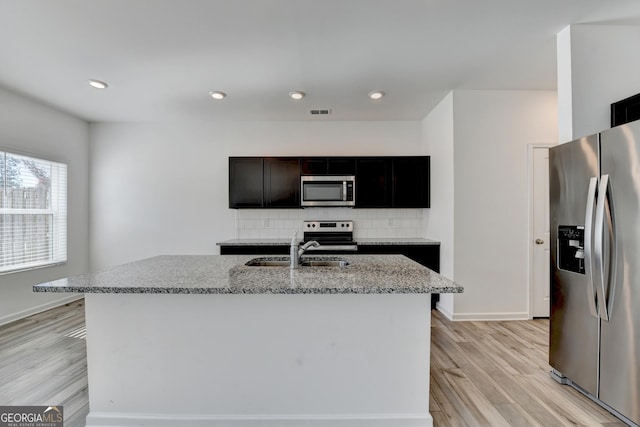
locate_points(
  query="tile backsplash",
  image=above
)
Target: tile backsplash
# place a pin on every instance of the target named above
(368, 223)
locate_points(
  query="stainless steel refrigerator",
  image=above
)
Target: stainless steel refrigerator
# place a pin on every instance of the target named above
(594, 342)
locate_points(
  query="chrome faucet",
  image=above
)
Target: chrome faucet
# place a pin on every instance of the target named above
(296, 251)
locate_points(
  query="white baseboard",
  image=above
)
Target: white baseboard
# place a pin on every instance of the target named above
(444, 311)
(489, 316)
(102, 419)
(38, 309)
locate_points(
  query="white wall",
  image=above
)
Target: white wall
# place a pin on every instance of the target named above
(603, 68)
(478, 142)
(29, 127)
(492, 130)
(565, 95)
(438, 137)
(163, 188)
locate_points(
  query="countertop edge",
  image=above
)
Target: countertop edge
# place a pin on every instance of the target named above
(360, 242)
(229, 274)
(209, 291)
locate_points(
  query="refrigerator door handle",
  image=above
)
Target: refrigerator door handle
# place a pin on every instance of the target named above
(588, 246)
(605, 198)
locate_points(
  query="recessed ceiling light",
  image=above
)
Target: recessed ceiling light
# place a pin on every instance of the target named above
(376, 94)
(98, 84)
(297, 94)
(216, 94)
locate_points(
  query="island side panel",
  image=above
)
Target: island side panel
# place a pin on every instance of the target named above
(258, 360)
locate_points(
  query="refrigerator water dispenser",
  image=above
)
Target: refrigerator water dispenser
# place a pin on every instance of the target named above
(571, 248)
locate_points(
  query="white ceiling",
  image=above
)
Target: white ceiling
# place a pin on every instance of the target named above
(162, 57)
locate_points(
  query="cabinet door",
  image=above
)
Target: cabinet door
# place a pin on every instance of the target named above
(328, 165)
(245, 182)
(255, 250)
(427, 255)
(373, 182)
(282, 182)
(625, 111)
(411, 182)
(341, 166)
(313, 166)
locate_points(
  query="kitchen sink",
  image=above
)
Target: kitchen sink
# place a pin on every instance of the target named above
(268, 262)
(304, 262)
(324, 262)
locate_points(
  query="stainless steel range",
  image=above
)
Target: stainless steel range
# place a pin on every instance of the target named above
(332, 235)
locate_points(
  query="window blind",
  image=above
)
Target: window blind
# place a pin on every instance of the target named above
(33, 212)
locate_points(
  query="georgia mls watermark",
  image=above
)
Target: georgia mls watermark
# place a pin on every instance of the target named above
(31, 416)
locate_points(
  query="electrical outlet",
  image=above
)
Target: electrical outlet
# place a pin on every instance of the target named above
(265, 223)
(390, 222)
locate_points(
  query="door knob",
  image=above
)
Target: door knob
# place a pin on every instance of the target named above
(539, 241)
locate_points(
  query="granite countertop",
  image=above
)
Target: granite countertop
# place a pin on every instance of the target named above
(362, 241)
(227, 274)
(379, 241)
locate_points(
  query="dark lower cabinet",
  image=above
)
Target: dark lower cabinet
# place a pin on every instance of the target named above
(427, 255)
(255, 250)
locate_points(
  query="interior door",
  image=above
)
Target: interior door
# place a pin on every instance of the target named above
(541, 293)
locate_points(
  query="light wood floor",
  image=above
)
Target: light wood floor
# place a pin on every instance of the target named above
(41, 365)
(484, 374)
(496, 374)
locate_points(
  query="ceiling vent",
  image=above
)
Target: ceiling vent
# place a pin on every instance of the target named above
(324, 112)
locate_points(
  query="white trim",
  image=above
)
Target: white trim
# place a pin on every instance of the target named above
(101, 419)
(530, 234)
(7, 211)
(20, 152)
(38, 309)
(50, 247)
(29, 267)
(449, 315)
(490, 316)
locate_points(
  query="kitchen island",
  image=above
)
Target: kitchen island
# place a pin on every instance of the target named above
(208, 341)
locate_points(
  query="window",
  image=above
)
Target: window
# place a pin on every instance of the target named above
(33, 212)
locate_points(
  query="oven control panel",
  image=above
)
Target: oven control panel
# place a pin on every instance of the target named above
(327, 226)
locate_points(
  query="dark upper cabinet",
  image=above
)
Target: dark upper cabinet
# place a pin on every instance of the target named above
(245, 182)
(625, 111)
(282, 182)
(313, 166)
(341, 166)
(411, 182)
(381, 182)
(257, 182)
(373, 182)
(328, 166)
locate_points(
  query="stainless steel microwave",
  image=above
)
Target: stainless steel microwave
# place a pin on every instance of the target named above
(327, 190)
